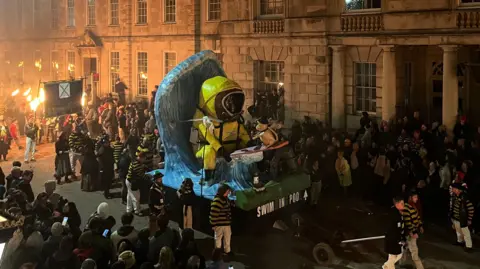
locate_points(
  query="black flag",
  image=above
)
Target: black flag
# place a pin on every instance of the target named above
(63, 97)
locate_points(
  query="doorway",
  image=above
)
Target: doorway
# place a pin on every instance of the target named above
(90, 71)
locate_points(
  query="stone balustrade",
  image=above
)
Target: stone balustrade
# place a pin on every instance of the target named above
(468, 19)
(362, 22)
(268, 26)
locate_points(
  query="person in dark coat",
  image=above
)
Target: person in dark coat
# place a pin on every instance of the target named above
(89, 170)
(107, 166)
(156, 195)
(62, 159)
(187, 249)
(4, 140)
(395, 237)
(63, 258)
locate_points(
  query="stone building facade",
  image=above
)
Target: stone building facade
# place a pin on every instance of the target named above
(336, 58)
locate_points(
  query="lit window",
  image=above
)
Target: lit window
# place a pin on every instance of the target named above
(268, 74)
(114, 68)
(170, 61)
(142, 73)
(114, 12)
(170, 11)
(54, 11)
(54, 65)
(71, 64)
(91, 12)
(365, 87)
(214, 10)
(362, 4)
(141, 11)
(71, 13)
(271, 7)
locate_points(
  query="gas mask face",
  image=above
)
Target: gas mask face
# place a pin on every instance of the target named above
(231, 105)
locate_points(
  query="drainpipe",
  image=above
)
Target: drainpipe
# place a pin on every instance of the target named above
(197, 26)
(130, 55)
(330, 86)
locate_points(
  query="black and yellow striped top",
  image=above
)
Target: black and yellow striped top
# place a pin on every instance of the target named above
(412, 219)
(220, 214)
(76, 142)
(458, 203)
(117, 150)
(148, 155)
(136, 171)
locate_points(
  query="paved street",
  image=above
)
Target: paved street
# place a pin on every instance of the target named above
(276, 249)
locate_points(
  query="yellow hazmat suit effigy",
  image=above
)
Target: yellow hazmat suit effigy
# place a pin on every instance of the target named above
(221, 101)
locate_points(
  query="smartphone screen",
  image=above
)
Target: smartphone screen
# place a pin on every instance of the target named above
(65, 220)
(105, 233)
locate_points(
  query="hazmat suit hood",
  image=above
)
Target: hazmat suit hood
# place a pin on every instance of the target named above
(221, 98)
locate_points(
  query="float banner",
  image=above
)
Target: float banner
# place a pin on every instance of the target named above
(63, 97)
(273, 206)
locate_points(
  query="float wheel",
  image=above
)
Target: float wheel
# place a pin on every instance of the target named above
(323, 254)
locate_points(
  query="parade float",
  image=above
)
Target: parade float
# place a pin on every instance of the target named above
(261, 171)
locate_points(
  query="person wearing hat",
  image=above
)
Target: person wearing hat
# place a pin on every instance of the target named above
(187, 197)
(221, 218)
(413, 227)
(461, 213)
(156, 195)
(266, 134)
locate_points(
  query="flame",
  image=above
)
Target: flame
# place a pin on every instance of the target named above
(29, 98)
(38, 64)
(55, 65)
(34, 104)
(143, 75)
(71, 67)
(20, 64)
(15, 92)
(41, 95)
(27, 92)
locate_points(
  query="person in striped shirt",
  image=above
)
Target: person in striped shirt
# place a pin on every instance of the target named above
(145, 147)
(117, 149)
(135, 175)
(220, 218)
(462, 212)
(413, 227)
(76, 142)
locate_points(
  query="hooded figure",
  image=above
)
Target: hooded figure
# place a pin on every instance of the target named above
(221, 102)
